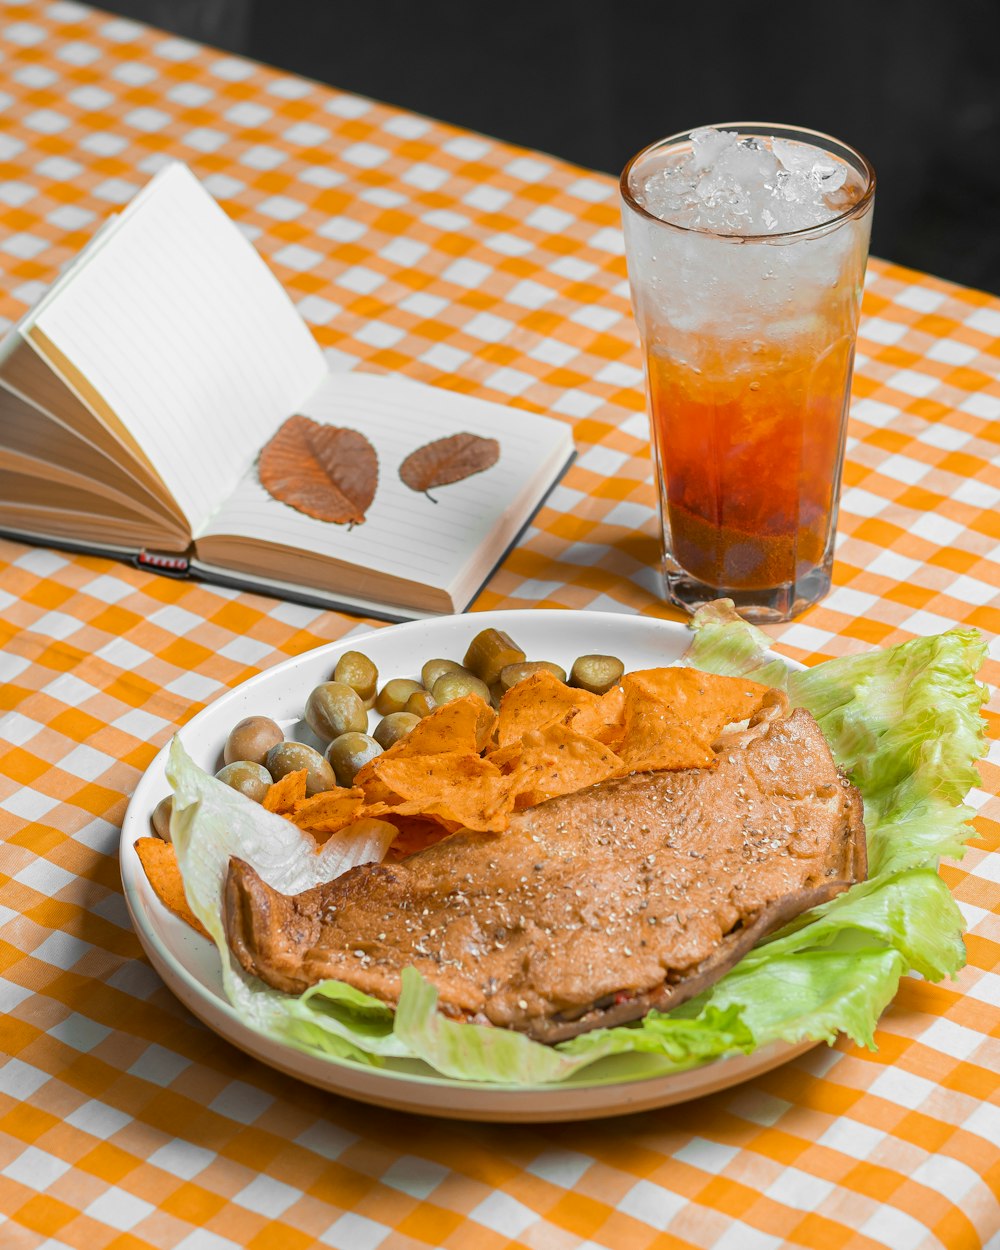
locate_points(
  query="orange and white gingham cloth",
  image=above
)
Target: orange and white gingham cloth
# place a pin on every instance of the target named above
(415, 247)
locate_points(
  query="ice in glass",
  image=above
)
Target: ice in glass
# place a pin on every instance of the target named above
(746, 248)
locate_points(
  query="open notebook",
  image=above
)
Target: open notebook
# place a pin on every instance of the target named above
(136, 396)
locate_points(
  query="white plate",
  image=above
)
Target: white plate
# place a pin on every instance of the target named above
(189, 964)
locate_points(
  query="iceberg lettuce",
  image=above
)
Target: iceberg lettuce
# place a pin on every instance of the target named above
(904, 723)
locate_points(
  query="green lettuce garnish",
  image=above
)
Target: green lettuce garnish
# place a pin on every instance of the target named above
(905, 725)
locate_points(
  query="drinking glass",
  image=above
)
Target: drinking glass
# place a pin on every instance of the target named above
(748, 341)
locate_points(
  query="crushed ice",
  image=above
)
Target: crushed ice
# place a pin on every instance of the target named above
(747, 185)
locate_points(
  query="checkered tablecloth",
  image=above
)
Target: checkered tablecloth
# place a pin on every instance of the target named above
(460, 261)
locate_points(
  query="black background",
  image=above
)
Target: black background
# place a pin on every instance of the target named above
(913, 84)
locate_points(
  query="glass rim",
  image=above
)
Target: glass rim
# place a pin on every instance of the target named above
(823, 227)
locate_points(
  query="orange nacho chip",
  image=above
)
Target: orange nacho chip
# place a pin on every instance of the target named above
(453, 787)
(329, 811)
(707, 701)
(282, 795)
(540, 700)
(159, 862)
(657, 738)
(556, 760)
(604, 720)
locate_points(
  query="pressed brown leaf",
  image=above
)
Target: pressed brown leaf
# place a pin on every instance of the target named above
(448, 460)
(325, 471)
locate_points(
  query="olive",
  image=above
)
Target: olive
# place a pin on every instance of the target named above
(420, 703)
(596, 673)
(514, 673)
(334, 708)
(350, 752)
(251, 739)
(393, 727)
(289, 757)
(434, 669)
(452, 686)
(358, 672)
(489, 652)
(394, 694)
(161, 817)
(248, 778)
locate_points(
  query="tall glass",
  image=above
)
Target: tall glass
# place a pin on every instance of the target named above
(749, 348)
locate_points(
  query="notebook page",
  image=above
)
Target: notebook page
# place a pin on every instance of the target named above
(180, 327)
(406, 534)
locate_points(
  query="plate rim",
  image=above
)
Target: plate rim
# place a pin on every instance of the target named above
(552, 1092)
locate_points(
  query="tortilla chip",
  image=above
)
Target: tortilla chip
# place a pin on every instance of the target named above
(464, 726)
(282, 796)
(329, 811)
(539, 700)
(657, 738)
(455, 787)
(603, 721)
(416, 833)
(159, 861)
(557, 760)
(706, 701)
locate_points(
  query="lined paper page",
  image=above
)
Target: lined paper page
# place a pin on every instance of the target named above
(405, 534)
(182, 329)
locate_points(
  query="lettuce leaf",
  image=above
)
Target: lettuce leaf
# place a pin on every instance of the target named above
(905, 723)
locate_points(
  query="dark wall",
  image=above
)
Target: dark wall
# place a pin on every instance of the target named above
(914, 84)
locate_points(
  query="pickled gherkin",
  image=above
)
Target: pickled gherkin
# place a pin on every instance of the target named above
(356, 670)
(290, 757)
(251, 739)
(350, 752)
(490, 652)
(434, 669)
(247, 777)
(391, 728)
(514, 673)
(452, 686)
(394, 695)
(596, 673)
(334, 708)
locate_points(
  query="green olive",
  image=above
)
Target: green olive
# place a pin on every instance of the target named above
(452, 686)
(251, 739)
(513, 673)
(161, 817)
(334, 708)
(358, 672)
(420, 703)
(248, 778)
(394, 694)
(489, 652)
(350, 752)
(289, 757)
(391, 728)
(434, 669)
(596, 673)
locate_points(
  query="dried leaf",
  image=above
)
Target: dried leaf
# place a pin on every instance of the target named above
(325, 471)
(448, 460)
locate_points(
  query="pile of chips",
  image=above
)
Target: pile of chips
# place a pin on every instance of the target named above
(466, 766)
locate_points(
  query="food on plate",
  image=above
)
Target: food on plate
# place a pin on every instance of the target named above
(334, 708)
(421, 703)
(490, 652)
(590, 909)
(474, 786)
(396, 725)
(596, 673)
(513, 673)
(290, 757)
(349, 753)
(394, 695)
(433, 669)
(251, 739)
(160, 819)
(248, 778)
(450, 686)
(356, 670)
(160, 866)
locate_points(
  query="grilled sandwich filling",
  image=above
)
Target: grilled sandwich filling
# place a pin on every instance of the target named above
(592, 908)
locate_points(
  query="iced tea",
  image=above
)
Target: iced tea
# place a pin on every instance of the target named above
(747, 301)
